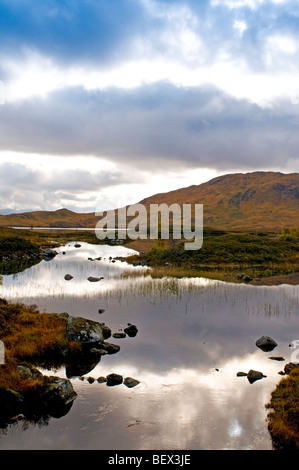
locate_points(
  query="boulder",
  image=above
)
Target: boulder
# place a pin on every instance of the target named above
(58, 392)
(254, 375)
(265, 343)
(101, 379)
(131, 330)
(85, 331)
(114, 379)
(130, 382)
(94, 279)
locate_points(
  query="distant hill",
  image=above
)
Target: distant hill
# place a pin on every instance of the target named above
(240, 201)
(60, 218)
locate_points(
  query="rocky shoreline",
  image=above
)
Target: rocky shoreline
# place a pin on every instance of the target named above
(52, 396)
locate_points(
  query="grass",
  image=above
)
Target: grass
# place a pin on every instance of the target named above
(11, 379)
(224, 254)
(29, 335)
(283, 417)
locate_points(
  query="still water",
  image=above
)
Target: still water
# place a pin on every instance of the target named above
(194, 335)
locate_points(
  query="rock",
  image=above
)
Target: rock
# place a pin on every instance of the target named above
(106, 331)
(131, 330)
(265, 343)
(101, 380)
(290, 366)
(59, 392)
(254, 375)
(77, 245)
(94, 279)
(277, 358)
(119, 335)
(241, 374)
(84, 331)
(49, 254)
(114, 379)
(111, 348)
(281, 372)
(68, 277)
(130, 382)
(101, 310)
(90, 380)
(27, 372)
(97, 352)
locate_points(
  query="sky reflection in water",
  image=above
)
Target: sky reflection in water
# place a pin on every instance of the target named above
(187, 330)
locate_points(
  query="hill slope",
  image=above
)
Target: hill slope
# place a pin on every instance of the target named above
(258, 200)
(241, 201)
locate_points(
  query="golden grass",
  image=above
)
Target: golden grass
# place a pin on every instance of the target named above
(32, 334)
(283, 419)
(11, 379)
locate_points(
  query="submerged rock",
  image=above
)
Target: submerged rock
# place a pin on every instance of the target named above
(265, 343)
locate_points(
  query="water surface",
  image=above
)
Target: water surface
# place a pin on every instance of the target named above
(194, 335)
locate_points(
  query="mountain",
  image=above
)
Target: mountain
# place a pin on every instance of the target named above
(240, 201)
(60, 218)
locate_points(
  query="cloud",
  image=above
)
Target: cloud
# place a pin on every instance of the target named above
(153, 127)
(145, 86)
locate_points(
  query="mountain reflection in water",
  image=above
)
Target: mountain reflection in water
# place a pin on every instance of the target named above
(194, 335)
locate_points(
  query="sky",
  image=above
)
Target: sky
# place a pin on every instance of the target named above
(106, 102)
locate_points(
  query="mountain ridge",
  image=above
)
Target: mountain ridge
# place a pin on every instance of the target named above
(260, 200)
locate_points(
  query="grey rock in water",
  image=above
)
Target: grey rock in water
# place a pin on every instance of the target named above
(130, 382)
(119, 335)
(59, 392)
(94, 279)
(101, 380)
(83, 330)
(114, 379)
(68, 277)
(131, 330)
(265, 343)
(254, 375)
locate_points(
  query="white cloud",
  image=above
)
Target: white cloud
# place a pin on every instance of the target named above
(237, 3)
(285, 44)
(240, 26)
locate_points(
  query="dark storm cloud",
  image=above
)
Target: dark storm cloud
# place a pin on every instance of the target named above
(154, 127)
